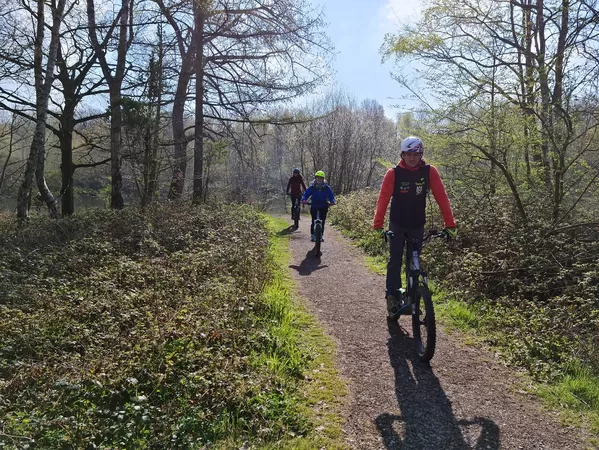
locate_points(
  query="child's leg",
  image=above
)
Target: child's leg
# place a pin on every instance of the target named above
(313, 212)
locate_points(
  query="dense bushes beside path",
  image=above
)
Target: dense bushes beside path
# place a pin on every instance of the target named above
(130, 330)
(534, 291)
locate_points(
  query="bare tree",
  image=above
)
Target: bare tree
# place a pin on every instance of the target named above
(521, 53)
(252, 55)
(12, 139)
(43, 86)
(123, 24)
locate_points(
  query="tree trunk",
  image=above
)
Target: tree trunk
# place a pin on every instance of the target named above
(115, 83)
(198, 151)
(43, 86)
(66, 166)
(545, 114)
(179, 136)
(560, 134)
(116, 196)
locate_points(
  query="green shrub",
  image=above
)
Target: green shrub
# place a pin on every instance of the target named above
(123, 329)
(536, 290)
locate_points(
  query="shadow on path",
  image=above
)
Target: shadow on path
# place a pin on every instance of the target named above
(426, 420)
(310, 264)
(290, 229)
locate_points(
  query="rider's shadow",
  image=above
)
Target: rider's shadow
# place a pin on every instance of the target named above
(285, 231)
(309, 264)
(426, 420)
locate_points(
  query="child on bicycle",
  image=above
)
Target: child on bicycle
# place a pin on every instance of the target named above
(322, 197)
(407, 184)
(295, 188)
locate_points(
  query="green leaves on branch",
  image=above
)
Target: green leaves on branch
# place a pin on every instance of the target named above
(411, 43)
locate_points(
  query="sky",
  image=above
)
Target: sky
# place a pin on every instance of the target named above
(357, 29)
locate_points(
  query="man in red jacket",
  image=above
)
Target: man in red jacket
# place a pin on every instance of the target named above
(295, 188)
(407, 184)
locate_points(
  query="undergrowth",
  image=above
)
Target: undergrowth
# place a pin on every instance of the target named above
(123, 329)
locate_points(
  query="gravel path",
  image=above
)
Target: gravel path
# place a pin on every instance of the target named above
(465, 399)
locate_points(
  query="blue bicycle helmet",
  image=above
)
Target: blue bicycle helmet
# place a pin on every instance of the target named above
(296, 170)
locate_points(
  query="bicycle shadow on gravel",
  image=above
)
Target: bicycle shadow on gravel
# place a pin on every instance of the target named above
(426, 421)
(310, 264)
(285, 231)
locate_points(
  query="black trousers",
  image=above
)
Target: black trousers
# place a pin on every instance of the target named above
(396, 250)
(323, 216)
(294, 199)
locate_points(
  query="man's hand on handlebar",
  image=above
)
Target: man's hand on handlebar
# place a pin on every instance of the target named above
(449, 233)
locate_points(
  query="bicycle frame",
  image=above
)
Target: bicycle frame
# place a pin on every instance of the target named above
(295, 210)
(317, 233)
(318, 220)
(418, 300)
(415, 276)
(318, 229)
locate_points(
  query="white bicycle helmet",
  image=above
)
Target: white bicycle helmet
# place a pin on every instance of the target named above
(412, 144)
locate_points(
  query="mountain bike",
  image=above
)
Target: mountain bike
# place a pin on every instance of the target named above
(295, 211)
(417, 300)
(317, 234)
(318, 230)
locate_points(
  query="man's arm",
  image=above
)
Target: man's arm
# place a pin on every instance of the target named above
(385, 195)
(441, 198)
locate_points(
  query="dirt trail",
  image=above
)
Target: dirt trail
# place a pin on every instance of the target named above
(465, 399)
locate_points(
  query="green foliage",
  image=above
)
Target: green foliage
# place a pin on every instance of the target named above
(130, 330)
(415, 43)
(354, 214)
(521, 280)
(530, 292)
(577, 390)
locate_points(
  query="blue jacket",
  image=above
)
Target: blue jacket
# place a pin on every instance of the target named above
(320, 195)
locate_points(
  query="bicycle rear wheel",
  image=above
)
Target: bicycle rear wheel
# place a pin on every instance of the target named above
(423, 324)
(317, 239)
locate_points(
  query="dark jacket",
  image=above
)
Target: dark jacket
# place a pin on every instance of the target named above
(295, 185)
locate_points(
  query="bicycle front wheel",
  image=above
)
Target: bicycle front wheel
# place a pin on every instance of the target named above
(317, 239)
(423, 324)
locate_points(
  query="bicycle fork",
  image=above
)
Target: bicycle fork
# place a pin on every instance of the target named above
(414, 277)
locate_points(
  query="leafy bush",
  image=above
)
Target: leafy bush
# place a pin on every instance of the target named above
(536, 290)
(129, 330)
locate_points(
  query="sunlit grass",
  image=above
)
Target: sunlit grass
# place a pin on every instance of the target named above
(323, 390)
(576, 393)
(456, 314)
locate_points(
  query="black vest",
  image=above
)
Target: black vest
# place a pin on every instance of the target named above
(409, 197)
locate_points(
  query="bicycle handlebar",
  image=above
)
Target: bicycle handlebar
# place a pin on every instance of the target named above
(329, 204)
(430, 234)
